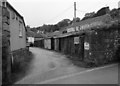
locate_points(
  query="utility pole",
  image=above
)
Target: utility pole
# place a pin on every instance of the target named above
(119, 4)
(74, 19)
(75, 11)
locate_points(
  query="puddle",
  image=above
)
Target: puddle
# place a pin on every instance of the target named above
(51, 65)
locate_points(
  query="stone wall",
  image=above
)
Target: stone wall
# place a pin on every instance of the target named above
(6, 59)
(0, 44)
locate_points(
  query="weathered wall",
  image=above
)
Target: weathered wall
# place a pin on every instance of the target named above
(39, 43)
(16, 41)
(0, 44)
(6, 61)
(102, 46)
(47, 43)
(56, 42)
(68, 46)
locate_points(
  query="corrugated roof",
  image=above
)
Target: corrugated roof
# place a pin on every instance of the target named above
(40, 35)
(54, 34)
(104, 19)
(69, 34)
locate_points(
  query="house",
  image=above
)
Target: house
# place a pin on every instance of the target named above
(14, 48)
(16, 25)
(30, 37)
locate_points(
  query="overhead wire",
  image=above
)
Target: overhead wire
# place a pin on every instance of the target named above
(65, 11)
(60, 14)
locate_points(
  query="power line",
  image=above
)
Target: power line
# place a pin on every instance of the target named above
(81, 11)
(60, 14)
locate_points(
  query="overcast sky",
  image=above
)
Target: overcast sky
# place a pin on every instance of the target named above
(39, 12)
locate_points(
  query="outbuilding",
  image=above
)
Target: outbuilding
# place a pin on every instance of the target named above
(93, 40)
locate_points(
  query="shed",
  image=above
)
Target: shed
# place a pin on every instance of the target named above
(94, 43)
(47, 43)
(30, 37)
(39, 40)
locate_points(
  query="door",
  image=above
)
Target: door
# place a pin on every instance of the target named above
(59, 44)
(52, 44)
(81, 47)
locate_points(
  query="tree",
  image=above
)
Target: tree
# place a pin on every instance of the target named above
(102, 11)
(51, 28)
(33, 29)
(64, 23)
(115, 13)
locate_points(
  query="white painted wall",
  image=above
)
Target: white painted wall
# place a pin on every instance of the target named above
(31, 39)
(16, 41)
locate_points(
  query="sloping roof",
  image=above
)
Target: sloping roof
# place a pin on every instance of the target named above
(69, 34)
(56, 33)
(9, 5)
(104, 19)
(40, 35)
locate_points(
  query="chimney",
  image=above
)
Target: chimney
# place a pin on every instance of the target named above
(119, 4)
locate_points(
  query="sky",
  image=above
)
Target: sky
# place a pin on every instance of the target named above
(39, 12)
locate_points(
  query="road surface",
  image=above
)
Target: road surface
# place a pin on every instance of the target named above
(53, 68)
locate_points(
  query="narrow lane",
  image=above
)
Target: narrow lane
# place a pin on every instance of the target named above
(53, 68)
(47, 65)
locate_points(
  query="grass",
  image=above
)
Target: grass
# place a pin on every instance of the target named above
(80, 63)
(21, 64)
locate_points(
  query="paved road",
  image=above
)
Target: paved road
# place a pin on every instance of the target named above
(102, 75)
(53, 68)
(47, 65)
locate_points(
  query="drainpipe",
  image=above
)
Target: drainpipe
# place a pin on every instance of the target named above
(12, 59)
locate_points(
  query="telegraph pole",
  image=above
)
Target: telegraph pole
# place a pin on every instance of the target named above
(74, 19)
(74, 10)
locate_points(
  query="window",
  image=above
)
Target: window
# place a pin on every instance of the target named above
(20, 29)
(16, 18)
(77, 28)
(13, 15)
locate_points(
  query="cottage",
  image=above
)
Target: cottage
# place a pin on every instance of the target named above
(30, 37)
(14, 23)
(13, 40)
